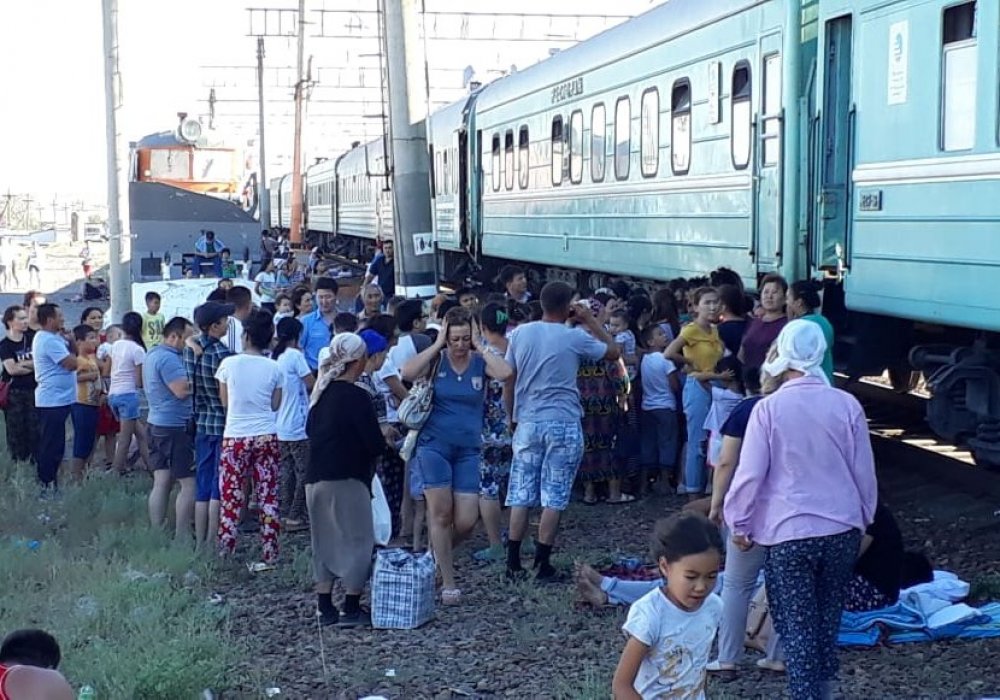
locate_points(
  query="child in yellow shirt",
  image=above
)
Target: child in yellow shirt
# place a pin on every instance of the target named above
(152, 321)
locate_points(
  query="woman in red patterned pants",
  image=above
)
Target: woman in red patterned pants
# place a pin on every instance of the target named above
(250, 440)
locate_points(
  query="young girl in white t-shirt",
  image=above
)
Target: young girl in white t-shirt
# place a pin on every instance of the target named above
(292, 439)
(670, 629)
(250, 387)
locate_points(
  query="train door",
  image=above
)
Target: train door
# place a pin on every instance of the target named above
(476, 193)
(770, 135)
(835, 156)
(462, 193)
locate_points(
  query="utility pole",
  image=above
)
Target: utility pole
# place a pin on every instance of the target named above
(119, 238)
(262, 186)
(295, 234)
(408, 145)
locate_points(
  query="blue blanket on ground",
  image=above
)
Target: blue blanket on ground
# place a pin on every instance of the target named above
(899, 624)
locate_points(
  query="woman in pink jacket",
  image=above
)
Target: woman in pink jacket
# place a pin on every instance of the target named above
(805, 490)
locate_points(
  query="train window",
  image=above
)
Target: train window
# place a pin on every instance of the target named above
(508, 159)
(741, 116)
(576, 147)
(496, 162)
(649, 132)
(454, 170)
(598, 137)
(958, 78)
(522, 157)
(557, 150)
(680, 127)
(772, 110)
(623, 137)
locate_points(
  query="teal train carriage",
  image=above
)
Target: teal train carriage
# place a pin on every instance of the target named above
(661, 148)
(364, 201)
(321, 200)
(906, 164)
(853, 141)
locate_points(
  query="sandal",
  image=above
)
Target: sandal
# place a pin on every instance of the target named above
(771, 665)
(451, 596)
(624, 498)
(719, 667)
(296, 525)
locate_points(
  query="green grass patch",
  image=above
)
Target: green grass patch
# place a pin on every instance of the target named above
(130, 608)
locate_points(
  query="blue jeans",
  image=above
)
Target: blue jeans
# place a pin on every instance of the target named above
(51, 442)
(659, 438)
(697, 401)
(622, 592)
(207, 450)
(444, 465)
(125, 406)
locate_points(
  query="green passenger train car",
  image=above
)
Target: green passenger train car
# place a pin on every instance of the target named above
(852, 141)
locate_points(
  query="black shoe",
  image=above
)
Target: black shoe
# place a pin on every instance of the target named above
(327, 619)
(355, 619)
(551, 575)
(516, 575)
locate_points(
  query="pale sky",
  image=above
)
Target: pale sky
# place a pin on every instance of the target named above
(52, 139)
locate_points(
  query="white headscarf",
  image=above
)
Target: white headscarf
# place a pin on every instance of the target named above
(345, 348)
(801, 346)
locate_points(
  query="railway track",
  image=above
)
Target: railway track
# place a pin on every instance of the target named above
(922, 471)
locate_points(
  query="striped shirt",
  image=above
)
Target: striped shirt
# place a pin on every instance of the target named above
(210, 414)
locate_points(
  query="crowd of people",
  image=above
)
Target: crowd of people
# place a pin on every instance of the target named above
(289, 410)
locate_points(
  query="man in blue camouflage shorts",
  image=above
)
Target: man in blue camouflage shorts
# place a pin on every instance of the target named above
(545, 406)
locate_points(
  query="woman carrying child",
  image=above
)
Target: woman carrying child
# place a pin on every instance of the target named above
(697, 350)
(603, 387)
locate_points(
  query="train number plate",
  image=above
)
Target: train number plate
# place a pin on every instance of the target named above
(871, 201)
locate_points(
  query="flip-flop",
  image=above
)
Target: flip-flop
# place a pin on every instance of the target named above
(451, 596)
(624, 498)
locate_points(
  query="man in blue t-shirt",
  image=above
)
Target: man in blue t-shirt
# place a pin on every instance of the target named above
(545, 406)
(317, 326)
(171, 441)
(208, 252)
(55, 373)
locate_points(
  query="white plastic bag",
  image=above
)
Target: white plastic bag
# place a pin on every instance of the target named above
(381, 515)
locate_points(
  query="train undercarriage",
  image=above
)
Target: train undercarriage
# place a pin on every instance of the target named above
(962, 376)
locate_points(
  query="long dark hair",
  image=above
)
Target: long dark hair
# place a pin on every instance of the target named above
(132, 328)
(86, 312)
(665, 309)
(289, 329)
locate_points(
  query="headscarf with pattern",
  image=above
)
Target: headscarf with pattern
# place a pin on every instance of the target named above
(345, 348)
